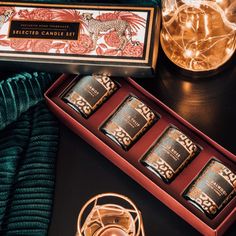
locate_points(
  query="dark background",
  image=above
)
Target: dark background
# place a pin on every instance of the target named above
(208, 102)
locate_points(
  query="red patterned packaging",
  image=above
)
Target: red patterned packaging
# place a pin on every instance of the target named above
(114, 39)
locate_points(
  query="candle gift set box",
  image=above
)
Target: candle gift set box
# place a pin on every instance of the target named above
(113, 39)
(179, 165)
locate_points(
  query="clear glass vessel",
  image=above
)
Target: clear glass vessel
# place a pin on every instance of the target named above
(198, 35)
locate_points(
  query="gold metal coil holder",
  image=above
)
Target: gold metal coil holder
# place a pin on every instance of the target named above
(110, 219)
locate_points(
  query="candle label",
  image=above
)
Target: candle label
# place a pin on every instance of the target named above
(130, 120)
(44, 30)
(89, 93)
(170, 154)
(213, 188)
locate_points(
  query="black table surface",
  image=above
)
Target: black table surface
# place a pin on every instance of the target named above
(207, 103)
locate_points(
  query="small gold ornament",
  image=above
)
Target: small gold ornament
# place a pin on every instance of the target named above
(102, 216)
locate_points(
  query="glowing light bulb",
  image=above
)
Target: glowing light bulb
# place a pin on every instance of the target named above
(166, 37)
(197, 53)
(189, 24)
(165, 13)
(228, 50)
(188, 53)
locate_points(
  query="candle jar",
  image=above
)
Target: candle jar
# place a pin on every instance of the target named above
(130, 121)
(171, 153)
(89, 93)
(212, 189)
(110, 214)
(198, 35)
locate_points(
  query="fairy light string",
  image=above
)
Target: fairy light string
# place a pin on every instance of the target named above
(199, 35)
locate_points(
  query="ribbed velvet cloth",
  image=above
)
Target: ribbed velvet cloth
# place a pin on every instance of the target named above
(28, 147)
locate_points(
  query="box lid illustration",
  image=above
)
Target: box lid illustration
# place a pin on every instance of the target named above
(114, 39)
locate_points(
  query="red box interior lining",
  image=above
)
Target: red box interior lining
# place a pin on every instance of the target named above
(136, 152)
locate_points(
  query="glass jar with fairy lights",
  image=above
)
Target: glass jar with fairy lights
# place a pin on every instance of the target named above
(198, 35)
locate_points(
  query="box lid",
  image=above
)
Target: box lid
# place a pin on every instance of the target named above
(114, 39)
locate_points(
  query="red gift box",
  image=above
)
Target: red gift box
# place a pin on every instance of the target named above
(129, 161)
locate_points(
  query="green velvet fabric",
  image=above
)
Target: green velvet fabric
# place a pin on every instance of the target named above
(19, 93)
(28, 147)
